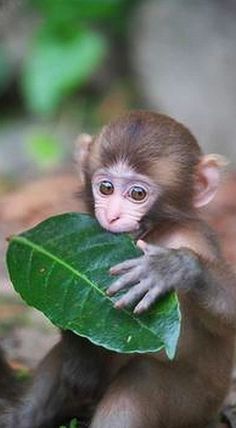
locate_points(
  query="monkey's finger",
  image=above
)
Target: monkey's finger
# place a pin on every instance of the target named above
(124, 281)
(124, 266)
(149, 248)
(148, 300)
(133, 295)
(142, 245)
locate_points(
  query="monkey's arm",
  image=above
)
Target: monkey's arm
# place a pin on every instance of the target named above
(209, 282)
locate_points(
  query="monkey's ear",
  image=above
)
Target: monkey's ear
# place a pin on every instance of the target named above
(208, 178)
(81, 153)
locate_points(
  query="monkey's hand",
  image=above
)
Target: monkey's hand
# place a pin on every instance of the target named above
(152, 275)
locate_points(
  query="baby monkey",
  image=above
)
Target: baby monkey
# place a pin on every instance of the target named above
(145, 174)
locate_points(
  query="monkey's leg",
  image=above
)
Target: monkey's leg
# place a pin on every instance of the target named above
(9, 386)
(150, 394)
(229, 416)
(67, 384)
(39, 403)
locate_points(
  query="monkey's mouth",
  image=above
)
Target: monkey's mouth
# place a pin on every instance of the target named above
(120, 226)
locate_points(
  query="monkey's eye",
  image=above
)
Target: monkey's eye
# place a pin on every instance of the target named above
(106, 188)
(137, 193)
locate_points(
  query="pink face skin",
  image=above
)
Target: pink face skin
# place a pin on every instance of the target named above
(122, 197)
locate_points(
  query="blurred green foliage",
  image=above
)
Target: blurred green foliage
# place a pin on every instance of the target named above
(73, 424)
(67, 49)
(56, 66)
(44, 150)
(71, 59)
(59, 13)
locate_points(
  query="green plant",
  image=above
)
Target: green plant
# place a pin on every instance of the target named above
(73, 424)
(69, 47)
(44, 149)
(61, 268)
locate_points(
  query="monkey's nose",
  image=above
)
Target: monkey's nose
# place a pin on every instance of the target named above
(113, 215)
(114, 210)
(112, 218)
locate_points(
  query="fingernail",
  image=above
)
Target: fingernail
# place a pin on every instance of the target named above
(118, 305)
(141, 244)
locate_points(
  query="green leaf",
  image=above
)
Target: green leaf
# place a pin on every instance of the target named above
(44, 149)
(54, 67)
(73, 424)
(61, 268)
(80, 9)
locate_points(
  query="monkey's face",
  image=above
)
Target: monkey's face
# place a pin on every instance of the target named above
(122, 197)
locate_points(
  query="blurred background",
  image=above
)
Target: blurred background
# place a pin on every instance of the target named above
(70, 66)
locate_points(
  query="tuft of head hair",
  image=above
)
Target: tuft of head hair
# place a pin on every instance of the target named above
(139, 137)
